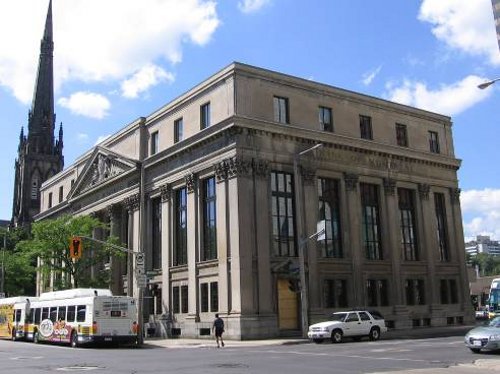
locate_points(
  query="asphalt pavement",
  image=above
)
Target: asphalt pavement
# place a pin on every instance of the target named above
(478, 366)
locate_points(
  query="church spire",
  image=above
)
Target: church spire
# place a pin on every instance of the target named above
(41, 118)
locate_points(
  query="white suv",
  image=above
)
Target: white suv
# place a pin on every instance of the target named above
(355, 324)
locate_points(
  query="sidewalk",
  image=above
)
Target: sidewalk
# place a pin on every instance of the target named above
(416, 333)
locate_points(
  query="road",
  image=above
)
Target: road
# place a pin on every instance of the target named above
(349, 357)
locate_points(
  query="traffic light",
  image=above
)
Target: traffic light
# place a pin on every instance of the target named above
(75, 247)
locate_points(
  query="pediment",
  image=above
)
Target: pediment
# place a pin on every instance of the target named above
(102, 166)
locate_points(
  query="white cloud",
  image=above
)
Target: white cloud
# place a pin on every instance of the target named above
(482, 207)
(463, 24)
(86, 104)
(369, 76)
(82, 137)
(150, 75)
(99, 40)
(447, 99)
(251, 6)
(101, 138)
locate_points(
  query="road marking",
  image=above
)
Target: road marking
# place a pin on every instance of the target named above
(27, 358)
(350, 356)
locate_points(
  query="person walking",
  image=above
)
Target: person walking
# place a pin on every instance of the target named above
(218, 328)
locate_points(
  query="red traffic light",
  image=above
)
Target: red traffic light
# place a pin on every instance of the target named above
(75, 247)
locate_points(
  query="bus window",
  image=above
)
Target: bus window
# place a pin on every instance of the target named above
(71, 313)
(80, 314)
(17, 317)
(61, 314)
(53, 313)
(29, 316)
(45, 313)
(38, 311)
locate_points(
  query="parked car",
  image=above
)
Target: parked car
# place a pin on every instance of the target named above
(356, 324)
(485, 337)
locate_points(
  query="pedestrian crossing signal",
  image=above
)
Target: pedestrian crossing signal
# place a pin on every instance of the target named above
(75, 247)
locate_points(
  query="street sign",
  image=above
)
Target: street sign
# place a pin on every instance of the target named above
(139, 259)
(141, 280)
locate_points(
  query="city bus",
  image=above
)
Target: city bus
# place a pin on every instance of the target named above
(15, 317)
(494, 298)
(84, 316)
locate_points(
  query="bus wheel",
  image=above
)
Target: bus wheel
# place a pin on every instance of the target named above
(74, 340)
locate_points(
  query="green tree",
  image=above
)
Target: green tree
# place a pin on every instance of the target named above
(488, 264)
(19, 266)
(50, 244)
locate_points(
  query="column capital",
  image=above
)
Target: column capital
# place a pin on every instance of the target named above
(237, 167)
(132, 203)
(191, 181)
(220, 171)
(423, 190)
(351, 181)
(389, 186)
(260, 168)
(165, 192)
(455, 195)
(113, 210)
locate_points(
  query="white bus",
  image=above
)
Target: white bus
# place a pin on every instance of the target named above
(494, 298)
(15, 317)
(84, 316)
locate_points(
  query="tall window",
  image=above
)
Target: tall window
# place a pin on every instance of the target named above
(209, 297)
(209, 220)
(335, 293)
(433, 142)
(156, 232)
(401, 135)
(184, 299)
(281, 110)
(442, 232)
(448, 291)
(154, 143)
(176, 299)
(406, 204)
(180, 228)
(325, 119)
(415, 292)
(61, 193)
(204, 297)
(282, 210)
(50, 199)
(377, 292)
(178, 130)
(365, 127)
(371, 221)
(214, 297)
(329, 211)
(205, 116)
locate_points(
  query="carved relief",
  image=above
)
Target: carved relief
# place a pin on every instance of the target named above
(455, 195)
(423, 190)
(190, 182)
(389, 186)
(220, 171)
(351, 181)
(132, 203)
(237, 166)
(165, 192)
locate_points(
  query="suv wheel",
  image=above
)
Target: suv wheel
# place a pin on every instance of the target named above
(336, 336)
(374, 334)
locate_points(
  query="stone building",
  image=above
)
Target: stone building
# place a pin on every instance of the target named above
(221, 186)
(39, 154)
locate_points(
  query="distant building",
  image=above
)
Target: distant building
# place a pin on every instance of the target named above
(39, 155)
(496, 14)
(483, 244)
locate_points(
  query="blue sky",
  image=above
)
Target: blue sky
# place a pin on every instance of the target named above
(117, 60)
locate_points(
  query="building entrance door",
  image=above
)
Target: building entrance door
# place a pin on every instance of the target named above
(288, 311)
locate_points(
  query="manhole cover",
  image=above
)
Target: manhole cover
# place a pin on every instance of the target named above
(78, 368)
(232, 366)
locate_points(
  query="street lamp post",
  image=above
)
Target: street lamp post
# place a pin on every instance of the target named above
(484, 85)
(2, 279)
(302, 240)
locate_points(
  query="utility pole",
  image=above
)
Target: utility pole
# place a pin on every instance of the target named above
(2, 279)
(302, 240)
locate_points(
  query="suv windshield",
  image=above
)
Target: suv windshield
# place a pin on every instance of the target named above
(338, 317)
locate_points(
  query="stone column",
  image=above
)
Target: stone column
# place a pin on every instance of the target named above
(262, 224)
(166, 245)
(192, 244)
(391, 234)
(354, 242)
(223, 254)
(241, 225)
(132, 205)
(459, 254)
(117, 262)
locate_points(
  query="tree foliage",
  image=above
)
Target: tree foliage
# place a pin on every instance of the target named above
(488, 264)
(50, 244)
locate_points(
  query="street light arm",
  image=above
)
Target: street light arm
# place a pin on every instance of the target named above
(484, 85)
